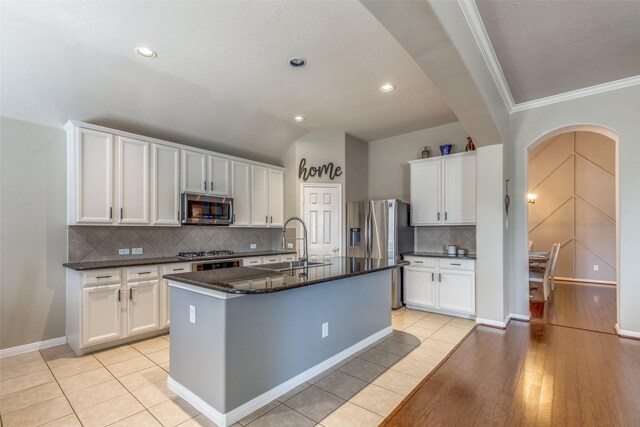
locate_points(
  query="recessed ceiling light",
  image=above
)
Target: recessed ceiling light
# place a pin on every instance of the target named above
(297, 62)
(146, 52)
(298, 118)
(387, 87)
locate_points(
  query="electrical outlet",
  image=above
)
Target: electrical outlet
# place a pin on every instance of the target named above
(192, 313)
(253, 246)
(596, 267)
(325, 329)
(289, 245)
(123, 251)
(136, 251)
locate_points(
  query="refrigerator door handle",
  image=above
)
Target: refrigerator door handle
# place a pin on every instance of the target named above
(367, 235)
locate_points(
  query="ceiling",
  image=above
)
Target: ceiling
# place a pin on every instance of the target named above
(550, 47)
(221, 79)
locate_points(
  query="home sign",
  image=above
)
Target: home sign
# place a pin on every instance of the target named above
(312, 171)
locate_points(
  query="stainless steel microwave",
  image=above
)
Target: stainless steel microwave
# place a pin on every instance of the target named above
(201, 209)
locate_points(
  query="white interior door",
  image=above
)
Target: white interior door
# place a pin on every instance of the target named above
(322, 212)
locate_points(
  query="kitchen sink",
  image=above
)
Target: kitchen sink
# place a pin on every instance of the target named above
(293, 265)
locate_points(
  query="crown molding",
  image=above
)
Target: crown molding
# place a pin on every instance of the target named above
(471, 14)
(578, 93)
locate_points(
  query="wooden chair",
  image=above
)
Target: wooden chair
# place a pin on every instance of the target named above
(547, 277)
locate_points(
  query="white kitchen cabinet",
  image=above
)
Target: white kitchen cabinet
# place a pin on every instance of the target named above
(420, 286)
(100, 314)
(133, 181)
(165, 185)
(276, 198)
(204, 174)
(165, 300)
(241, 193)
(194, 172)
(259, 196)
(142, 307)
(443, 190)
(218, 173)
(267, 197)
(251, 261)
(440, 284)
(90, 176)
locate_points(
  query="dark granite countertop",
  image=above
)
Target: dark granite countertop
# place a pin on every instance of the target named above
(440, 255)
(256, 280)
(132, 262)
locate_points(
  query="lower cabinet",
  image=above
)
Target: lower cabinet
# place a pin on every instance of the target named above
(101, 314)
(143, 307)
(446, 284)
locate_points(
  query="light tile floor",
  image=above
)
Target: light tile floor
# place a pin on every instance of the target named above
(126, 386)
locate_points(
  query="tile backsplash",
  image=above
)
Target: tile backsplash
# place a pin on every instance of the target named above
(94, 243)
(436, 239)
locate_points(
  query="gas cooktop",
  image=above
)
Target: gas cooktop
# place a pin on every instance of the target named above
(203, 254)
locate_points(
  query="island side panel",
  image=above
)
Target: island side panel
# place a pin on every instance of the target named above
(271, 338)
(197, 350)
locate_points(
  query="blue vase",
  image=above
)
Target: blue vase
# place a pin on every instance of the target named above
(446, 149)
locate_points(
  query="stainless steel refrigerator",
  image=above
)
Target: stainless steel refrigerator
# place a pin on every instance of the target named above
(380, 229)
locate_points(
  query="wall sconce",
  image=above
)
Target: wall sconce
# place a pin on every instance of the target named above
(531, 199)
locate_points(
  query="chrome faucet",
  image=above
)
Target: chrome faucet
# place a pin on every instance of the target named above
(305, 249)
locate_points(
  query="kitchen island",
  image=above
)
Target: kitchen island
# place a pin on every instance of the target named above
(241, 337)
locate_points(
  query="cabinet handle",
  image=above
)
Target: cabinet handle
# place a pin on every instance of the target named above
(438, 216)
(144, 272)
(102, 277)
(130, 294)
(211, 185)
(178, 216)
(454, 264)
(266, 219)
(418, 262)
(110, 212)
(178, 269)
(234, 218)
(440, 277)
(271, 220)
(205, 186)
(433, 277)
(445, 216)
(121, 214)
(118, 292)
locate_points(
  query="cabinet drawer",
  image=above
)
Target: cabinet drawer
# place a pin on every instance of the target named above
(457, 264)
(102, 277)
(272, 259)
(248, 262)
(184, 267)
(417, 261)
(142, 273)
(289, 257)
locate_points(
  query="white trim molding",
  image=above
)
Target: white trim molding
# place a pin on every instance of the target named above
(474, 20)
(226, 419)
(520, 317)
(493, 323)
(34, 346)
(627, 334)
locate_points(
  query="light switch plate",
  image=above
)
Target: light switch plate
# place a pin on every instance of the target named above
(325, 329)
(596, 267)
(253, 246)
(123, 251)
(136, 251)
(289, 245)
(192, 313)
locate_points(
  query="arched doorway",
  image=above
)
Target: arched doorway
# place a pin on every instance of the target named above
(572, 180)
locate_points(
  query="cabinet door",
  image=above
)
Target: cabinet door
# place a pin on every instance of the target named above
(165, 185)
(218, 176)
(460, 190)
(194, 172)
(133, 181)
(94, 185)
(259, 196)
(419, 286)
(241, 193)
(457, 291)
(276, 198)
(100, 314)
(142, 307)
(165, 292)
(426, 193)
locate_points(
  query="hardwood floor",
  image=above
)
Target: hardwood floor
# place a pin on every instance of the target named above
(530, 374)
(578, 306)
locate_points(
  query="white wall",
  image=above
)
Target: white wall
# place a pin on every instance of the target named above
(388, 158)
(33, 232)
(616, 110)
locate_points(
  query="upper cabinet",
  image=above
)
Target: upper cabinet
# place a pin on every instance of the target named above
(443, 190)
(204, 174)
(116, 178)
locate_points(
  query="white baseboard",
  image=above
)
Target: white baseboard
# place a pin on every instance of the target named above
(493, 323)
(439, 311)
(627, 334)
(32, 347)
(226, 419)
(520, 317)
